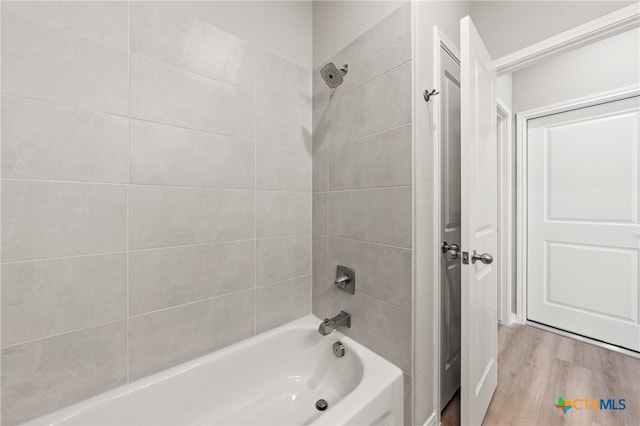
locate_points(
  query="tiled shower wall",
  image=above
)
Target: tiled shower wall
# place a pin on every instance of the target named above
(362, 190)
(156, 196)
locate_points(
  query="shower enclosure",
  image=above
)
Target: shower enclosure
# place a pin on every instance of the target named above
(177, 179)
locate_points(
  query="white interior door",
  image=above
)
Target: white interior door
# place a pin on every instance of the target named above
(583, 221)
(479, 203)
(450, 227)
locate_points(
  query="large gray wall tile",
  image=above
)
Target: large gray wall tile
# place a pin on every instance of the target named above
(283, 258)
(47, 141)
(271, 68)
(282, 213)
(171, 95)
(102, 21)
(407, 382)
(321, 171)
(167, 155)
(380, 160)
(48, 297)
(165, 338)
(319, 89)
(282, 169)
(279, 303)
(165, 216)
(321, 127)
(47, 219)
(378, 105)
(43, 63)
(48, 374)
(278, 123)
(374, 215)
(142, 213)
(320, 213)
(162, 278)
(382, 48)
(362, 178)
(382, 272)
(320, 268)
(193, 45)
(382, 327)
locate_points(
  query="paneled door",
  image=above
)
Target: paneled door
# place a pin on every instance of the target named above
(583, 232)
(479, 222)
(450, 227)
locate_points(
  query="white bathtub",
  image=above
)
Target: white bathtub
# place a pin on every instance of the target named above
(271, 379)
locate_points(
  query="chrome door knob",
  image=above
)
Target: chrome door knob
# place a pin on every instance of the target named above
(451, 250)
(485, 258)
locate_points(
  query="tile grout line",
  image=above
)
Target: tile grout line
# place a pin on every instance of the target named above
(359, 86)
(64, 31)
(365, 136)
(297, 277)
(75, 330)
(1, 203)
(329, 281)
(153, 185)
(327, 207)
(60, 104)
(368, 242)
(287, 101)
(187, 70)
(145, 120)
(147, 249)
(128, 308)
(127, 50)
(255, 193)
(127, 316)
(375, 188)
(311, 152)
(191, 302)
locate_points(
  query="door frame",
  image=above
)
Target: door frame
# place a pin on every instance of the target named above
(506, 215)
(616, 22)
(440, 41)
(505, 200)
(522, 173)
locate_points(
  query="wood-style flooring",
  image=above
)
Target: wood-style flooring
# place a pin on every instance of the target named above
(535, 367)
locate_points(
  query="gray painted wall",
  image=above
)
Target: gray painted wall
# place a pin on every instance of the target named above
(507, 26)
(608, 64)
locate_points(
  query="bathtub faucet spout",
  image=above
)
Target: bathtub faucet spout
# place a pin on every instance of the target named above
(343, 319)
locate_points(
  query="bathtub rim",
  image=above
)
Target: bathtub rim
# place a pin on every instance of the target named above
(378, 375)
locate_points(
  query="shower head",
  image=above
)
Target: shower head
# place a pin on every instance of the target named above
(332, 75)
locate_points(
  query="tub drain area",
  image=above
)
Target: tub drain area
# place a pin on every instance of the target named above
(322, 405)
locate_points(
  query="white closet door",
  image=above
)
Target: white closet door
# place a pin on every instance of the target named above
(583, 222)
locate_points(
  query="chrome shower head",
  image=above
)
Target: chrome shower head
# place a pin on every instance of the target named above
(332, 75)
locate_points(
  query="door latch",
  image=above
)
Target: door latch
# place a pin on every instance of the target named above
(465, 257)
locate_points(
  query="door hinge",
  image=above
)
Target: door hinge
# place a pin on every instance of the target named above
(465, 257)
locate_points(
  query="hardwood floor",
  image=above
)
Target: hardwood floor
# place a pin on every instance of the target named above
(535, 367)
(451, 413)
